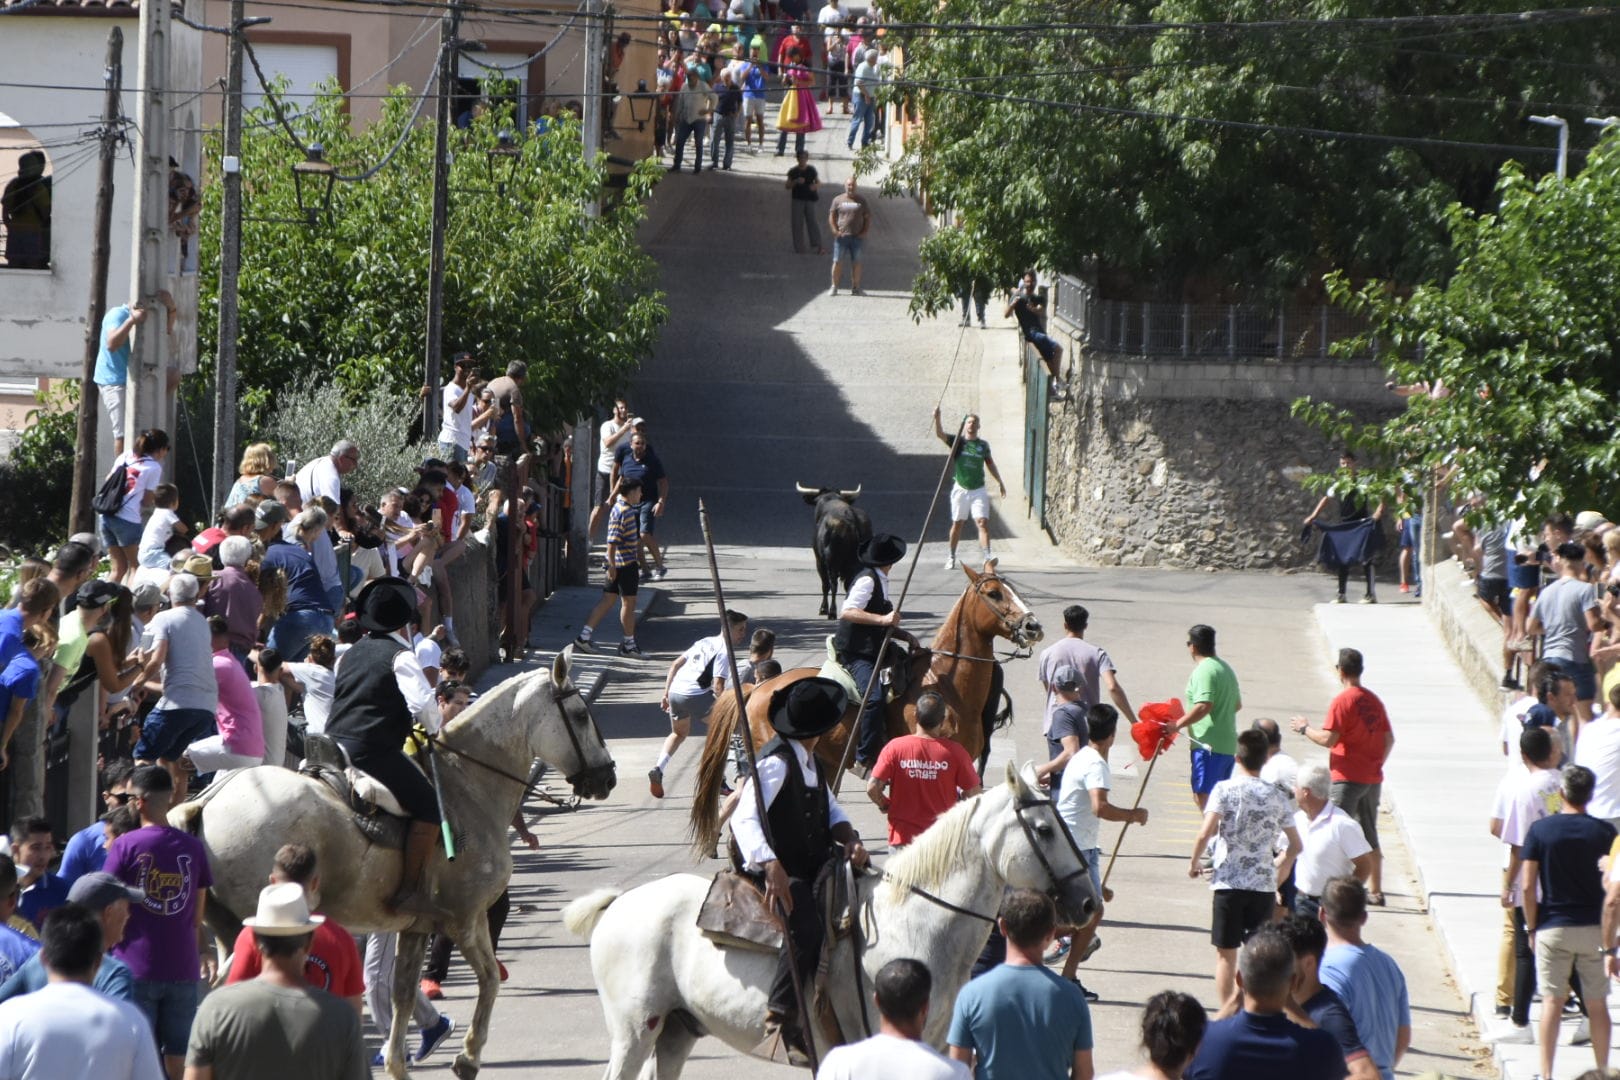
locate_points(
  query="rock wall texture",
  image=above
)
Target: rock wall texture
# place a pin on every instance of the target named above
(1193, 464)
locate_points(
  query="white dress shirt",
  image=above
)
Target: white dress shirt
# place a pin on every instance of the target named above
(1330, 841)
(413, 684)
(861, 591)
(770, 772)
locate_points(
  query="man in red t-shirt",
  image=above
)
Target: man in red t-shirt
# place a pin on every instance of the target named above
(1358, 738)
(919, 777)
(334, 962)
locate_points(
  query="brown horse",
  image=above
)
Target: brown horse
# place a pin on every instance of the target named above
(959, 666)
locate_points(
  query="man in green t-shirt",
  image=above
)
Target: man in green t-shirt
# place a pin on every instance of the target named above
(971, 457)
(1213, 701)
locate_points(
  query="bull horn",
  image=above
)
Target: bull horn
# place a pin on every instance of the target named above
(852, 494)
(802, 490)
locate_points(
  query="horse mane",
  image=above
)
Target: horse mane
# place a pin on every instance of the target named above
(940, 850)
(500, 691)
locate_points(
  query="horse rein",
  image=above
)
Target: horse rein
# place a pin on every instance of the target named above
(557, 697)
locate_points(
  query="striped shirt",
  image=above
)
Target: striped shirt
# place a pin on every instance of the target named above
(624, 533)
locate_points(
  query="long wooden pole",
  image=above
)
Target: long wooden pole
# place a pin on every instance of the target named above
(1140, 791)
(747, 734)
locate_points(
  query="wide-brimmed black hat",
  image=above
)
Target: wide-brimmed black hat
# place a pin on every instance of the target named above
(386, 604)
(807, 708)
(884, 549)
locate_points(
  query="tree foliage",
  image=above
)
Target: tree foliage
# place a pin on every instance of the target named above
(1037, 141)
(529, 276)
(36, 479)
(1521, 344)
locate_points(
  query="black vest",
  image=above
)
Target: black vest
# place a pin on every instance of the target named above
(367, 707)
(858, 639)
(800, 816)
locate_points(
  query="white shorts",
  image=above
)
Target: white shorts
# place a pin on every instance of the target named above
(752, 107)
(113, 398)
(210, 755)
(966, 504)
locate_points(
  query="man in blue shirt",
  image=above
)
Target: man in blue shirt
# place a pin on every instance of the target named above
(1321, 1005)
(16, 947)
(86, 850)
(637, 460)
(112, 357)
(109, 899)
(1260, 1042)
(32, 849)
(1020, 1019)
(1370, 983)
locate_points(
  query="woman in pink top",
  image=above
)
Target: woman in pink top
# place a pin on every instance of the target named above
(240, 741)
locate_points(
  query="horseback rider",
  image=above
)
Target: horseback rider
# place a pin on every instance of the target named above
(866, 614)
(380, 694)
(805, 822)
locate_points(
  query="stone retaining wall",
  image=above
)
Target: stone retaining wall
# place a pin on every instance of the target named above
(1192, 463)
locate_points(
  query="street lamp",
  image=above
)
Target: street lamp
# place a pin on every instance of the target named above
(503, 158)
(313, 170)
(1563, 138)
(641, 105)
(1604, 122)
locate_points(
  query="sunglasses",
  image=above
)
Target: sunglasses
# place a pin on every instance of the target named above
(120, 797)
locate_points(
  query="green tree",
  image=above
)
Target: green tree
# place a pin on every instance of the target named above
(529, 276)
(1052, 148)
(1518, 347)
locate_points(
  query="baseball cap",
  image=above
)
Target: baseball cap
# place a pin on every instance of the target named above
(97, 593)
(269, 513)
(98, 888)
(1067, 678)
(147, 595)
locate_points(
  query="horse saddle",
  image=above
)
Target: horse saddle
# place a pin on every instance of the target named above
(373, 808)
(895, 675)
(734, 915)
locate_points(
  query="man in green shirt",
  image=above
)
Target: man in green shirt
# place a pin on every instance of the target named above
(968, 497)
(1213, 701)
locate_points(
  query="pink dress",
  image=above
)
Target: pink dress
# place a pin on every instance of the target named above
(799, 112)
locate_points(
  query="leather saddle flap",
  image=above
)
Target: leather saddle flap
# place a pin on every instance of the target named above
(377, 823)
(734, 915)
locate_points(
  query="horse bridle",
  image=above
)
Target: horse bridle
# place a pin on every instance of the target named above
(558, 696)
(1057, 882)
(1014, 629)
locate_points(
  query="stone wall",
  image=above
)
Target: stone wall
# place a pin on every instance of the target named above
(1192, 463)
(477, 607)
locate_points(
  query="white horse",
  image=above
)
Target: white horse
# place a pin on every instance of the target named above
(663, 983)
(487, 755)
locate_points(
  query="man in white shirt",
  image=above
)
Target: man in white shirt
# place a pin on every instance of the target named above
(1524, 797)
(1083, 805)
(455, 429)
(867, 614)
(67, 1030)
(324, 476)
(695, 680)
(616, 429)
(1599, 750)
(785, 850)
(1334, 844)
(901, 991)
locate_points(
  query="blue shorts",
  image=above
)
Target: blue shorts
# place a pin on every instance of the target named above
(1584, 675)
(649, 520)
(1093, 858)
(119, 532)
(167, 732)
(846, 249)
(1524, 575)
(1043, 344)
(171, 1007)
(1209, 769)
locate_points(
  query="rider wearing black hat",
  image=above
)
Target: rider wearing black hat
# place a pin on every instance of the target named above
(805, 821)
(380, 693)
(867, 613)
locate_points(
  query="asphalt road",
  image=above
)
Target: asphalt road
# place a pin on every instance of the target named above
(761, 380)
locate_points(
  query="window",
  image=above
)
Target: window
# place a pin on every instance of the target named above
(509, 86)
(25, 199)
(303, 66)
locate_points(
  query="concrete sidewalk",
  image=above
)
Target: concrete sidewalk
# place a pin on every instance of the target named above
(1438, 784)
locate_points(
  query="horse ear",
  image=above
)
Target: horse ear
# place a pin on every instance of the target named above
(560, 666)
(1020, 781)
(1013, 779)
(972, 575)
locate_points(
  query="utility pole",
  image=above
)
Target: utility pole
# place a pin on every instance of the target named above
(595, 57)
(81, 516)
(230, 265)
(448, 29)
(148, 395)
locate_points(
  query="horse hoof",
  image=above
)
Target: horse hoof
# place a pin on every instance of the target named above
(464, 1067)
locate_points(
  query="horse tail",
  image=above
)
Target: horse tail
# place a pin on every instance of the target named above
(582, 915)
(703, 826)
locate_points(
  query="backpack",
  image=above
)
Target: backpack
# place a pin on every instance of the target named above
(113, 491)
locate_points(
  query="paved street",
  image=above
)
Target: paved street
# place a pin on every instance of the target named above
(762, 379)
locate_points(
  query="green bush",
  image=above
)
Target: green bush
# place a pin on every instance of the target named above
(36, 481)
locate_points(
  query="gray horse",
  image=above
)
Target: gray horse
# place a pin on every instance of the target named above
(487, 754)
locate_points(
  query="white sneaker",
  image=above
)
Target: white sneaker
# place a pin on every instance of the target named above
(834, 291)
(1582, 1035)
(950, 562)
(1511, 1034)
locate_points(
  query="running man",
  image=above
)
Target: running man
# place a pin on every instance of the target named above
(696, 678)
(968, 495)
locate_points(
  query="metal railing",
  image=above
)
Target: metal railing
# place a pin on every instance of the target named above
(1209, 331)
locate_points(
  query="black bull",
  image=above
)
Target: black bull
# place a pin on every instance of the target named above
(841, 528)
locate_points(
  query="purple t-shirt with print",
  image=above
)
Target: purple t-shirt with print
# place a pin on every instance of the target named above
(160, 942)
